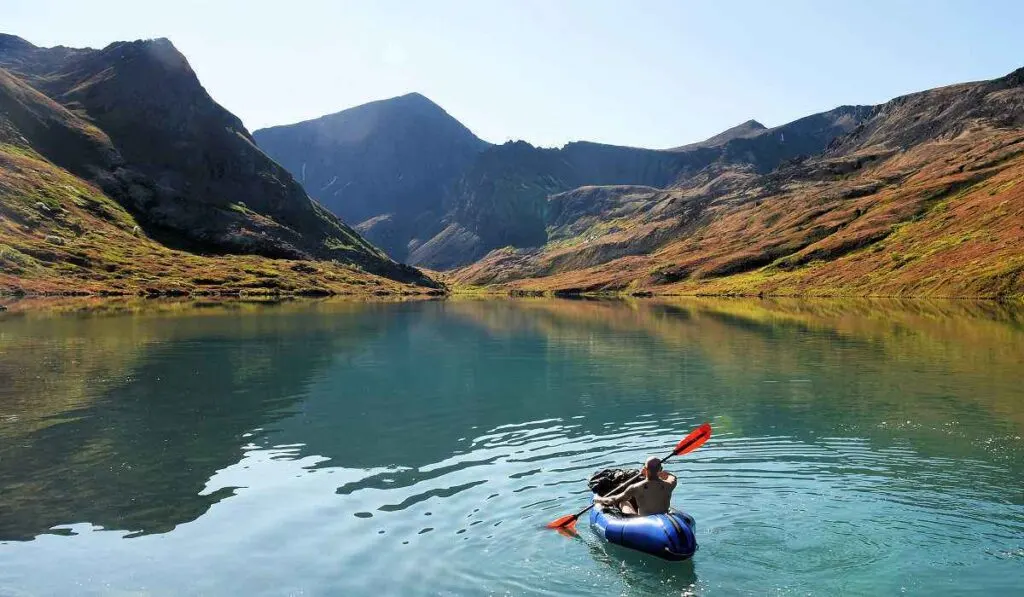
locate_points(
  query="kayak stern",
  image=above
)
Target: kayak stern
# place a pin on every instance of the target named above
(669, 536)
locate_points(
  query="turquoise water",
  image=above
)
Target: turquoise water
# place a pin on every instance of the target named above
(860, 448)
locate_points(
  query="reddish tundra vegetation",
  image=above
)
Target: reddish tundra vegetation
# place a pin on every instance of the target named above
(923, 198)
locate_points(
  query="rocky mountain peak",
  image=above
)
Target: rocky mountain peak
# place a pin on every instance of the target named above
(13, 43)
(159, 50)
(415, 98)
(381, 165)
(743, 130)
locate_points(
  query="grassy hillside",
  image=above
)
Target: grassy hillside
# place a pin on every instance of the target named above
(924, 198)
(59, 234)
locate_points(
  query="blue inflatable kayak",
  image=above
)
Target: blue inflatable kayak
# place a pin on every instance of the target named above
(669, 536)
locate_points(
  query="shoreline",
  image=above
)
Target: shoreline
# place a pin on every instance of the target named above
(647, 294)
(433, 292)
(482, 293)
(11, 304)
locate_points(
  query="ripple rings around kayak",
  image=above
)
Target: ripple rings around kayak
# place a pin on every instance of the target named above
(745, 490)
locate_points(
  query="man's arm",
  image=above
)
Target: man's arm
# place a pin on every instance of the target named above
(668, 478)
(615, 498)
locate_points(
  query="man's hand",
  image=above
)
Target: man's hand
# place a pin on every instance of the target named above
(602, 501)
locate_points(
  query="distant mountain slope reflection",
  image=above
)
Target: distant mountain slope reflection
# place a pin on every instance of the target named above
(121, 421)
(436, 389)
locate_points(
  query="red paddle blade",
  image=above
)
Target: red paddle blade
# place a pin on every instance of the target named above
(566, 522)
(568, 532)
(693, 441)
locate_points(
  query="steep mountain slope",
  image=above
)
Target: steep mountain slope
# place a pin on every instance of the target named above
(924, 196)
(382, 165)
(419, 184)
(131, 127)
(501, 200)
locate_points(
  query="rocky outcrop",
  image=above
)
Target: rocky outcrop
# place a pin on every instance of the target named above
(942, 113)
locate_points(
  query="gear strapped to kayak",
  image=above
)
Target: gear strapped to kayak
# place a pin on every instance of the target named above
(670, 536)
(606, 481)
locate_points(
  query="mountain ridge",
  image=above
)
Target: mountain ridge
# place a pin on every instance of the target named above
(496, 195)
(747, 128)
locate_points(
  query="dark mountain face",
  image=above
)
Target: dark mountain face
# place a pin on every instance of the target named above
(502, 200)
(804, 137)
(144, 130)
(383, 166)
(28, 117)
(32, 62)
(419, 184)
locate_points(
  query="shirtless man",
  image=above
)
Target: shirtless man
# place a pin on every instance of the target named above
(652, 495)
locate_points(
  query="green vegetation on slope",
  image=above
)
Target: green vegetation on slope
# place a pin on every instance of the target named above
(59, 235)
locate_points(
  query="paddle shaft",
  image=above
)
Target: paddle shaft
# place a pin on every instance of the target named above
(621, 485)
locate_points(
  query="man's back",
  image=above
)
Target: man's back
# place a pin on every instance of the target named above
(653, 496)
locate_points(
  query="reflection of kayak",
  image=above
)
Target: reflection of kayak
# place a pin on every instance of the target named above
(669, 536)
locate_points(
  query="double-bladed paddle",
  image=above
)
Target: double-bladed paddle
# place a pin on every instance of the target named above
(688, 444)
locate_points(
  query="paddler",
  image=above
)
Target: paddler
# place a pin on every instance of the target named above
(651, 495)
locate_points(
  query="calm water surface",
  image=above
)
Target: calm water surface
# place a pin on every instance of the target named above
(417, 449)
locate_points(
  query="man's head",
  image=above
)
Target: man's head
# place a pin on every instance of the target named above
(652, 466)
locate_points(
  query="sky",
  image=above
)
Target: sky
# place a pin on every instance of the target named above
(649, 74)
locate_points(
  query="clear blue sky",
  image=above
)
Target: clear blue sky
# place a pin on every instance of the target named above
(652, 73)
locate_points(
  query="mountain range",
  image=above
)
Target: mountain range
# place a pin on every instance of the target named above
(421, 186)
(120, 174)
(919, 195)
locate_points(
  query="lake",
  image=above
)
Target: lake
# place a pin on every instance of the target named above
(332, 448)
